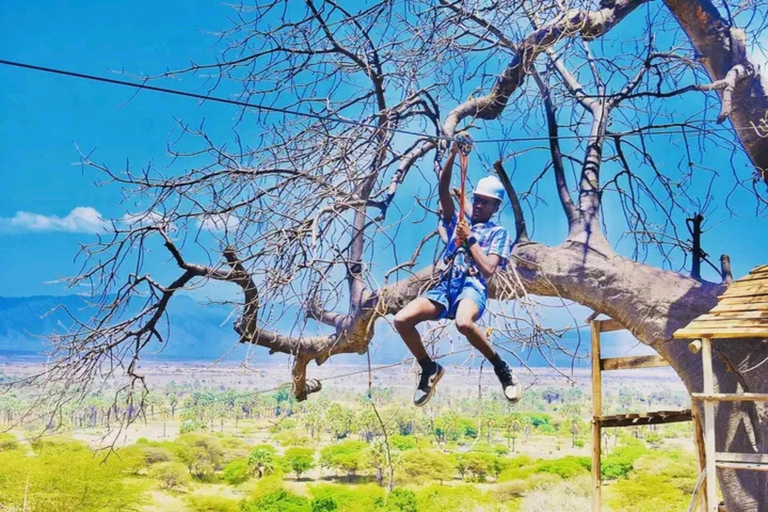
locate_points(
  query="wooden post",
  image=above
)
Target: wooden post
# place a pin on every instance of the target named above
(694, 225)
(698, 437)
(597, 411)
(709, 427)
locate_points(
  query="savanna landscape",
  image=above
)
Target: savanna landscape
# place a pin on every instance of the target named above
(208, 440)
(242, 244)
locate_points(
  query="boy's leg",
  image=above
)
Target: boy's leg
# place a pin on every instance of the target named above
(415, 312)
(467, 314)
(418, 310)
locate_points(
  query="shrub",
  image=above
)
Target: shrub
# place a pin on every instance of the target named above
(402, 500)
(362, 498)
(236, 472)
(460, 498)
(325, 504)
(207, 503)
(621, 460)
(190, 425)
(468, 427)
(203, 454)
(480, 465)
(343, 457)
(277, 501)
(567, 467)
(66, 477)
(543, 481)
(518, 468)
(508, 491)
(426, 465)
(299, 460)
(291, 438)
(569, 496)
(497, 449)
(172, 475)
(8, 442)
(403, 443)
(646, 493)
(283, 425)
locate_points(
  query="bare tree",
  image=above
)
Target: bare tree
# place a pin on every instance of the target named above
(299, 212)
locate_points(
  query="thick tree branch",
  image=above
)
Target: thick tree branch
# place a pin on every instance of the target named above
(521, 232)
(722, 49)
(566, 200)
(590, 24)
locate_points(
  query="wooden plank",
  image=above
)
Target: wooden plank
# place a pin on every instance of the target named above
(646, 418)
(750, 278)
(725, 306)
(751, 458)
(739, 294)
(709, 425)
(597, 411)
(756, 286)
(729, 322)
(720, 332)
(742, 466)
(743, 300)
(628, 363)
(759, 270)
(610, 325)
(733, 315)
(730, 397)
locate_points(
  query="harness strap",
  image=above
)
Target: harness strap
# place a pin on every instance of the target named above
(465, 143)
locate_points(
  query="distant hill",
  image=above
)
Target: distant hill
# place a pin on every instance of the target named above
(201, 332)
(197, 331)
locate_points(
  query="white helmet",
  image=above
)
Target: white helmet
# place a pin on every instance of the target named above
(490, 186)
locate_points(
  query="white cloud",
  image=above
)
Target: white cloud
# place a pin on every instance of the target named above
(82, 219)
(134, 220)
(220, 222)
(85, 219)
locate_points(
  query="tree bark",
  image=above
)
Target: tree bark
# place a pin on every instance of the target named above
(722, 48)
(652, 304)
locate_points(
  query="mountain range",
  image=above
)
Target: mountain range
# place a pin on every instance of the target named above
(198, 332)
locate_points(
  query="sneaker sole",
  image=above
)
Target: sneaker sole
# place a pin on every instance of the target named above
(512, 400)
(432, 391)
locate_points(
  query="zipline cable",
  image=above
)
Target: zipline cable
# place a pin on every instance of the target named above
(650, 130)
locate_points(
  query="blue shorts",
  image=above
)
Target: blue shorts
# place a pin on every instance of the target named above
(449, 292)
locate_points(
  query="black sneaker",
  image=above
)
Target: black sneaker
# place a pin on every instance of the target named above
(512, 389)
(427, 382)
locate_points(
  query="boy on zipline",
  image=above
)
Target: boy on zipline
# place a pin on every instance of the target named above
(473, 254)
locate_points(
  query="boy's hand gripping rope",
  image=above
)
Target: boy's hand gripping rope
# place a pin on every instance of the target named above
(464, 143)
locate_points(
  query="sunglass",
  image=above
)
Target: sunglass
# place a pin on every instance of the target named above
(484, 201)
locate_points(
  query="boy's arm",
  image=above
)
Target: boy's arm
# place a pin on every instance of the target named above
(444, 186)
(485, 262)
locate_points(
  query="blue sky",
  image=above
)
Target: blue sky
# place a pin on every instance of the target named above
(50, 205)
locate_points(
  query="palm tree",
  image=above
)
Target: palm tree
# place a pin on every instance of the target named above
(262, 459)
(513, 423)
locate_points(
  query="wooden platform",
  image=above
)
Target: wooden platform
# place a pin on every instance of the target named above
(742, 311)
(647, 418)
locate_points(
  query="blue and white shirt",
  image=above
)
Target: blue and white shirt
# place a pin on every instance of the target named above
(492, 239)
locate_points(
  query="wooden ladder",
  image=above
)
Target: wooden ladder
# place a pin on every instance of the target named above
(713, 458)
(600, 421)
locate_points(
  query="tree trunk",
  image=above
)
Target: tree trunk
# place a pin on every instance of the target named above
(652, 304)
(721, 48)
